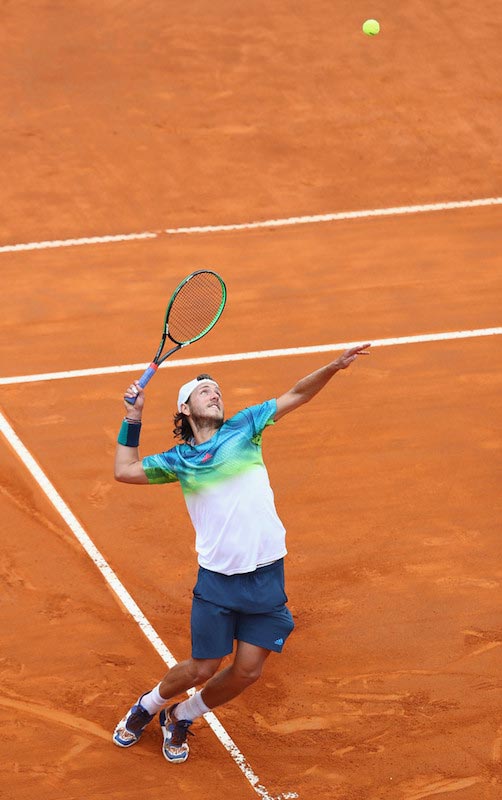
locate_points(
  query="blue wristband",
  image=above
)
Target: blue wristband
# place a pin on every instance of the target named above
(129, 433)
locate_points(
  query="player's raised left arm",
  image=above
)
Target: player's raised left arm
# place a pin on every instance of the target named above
(308, 387)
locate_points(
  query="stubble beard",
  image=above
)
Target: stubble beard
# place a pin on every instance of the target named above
(205, 423)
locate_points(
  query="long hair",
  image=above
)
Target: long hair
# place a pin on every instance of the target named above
(182, 429)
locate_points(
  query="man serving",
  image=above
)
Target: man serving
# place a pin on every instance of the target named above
(240, 542)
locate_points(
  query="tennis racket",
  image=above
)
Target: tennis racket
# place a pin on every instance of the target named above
(194, 308)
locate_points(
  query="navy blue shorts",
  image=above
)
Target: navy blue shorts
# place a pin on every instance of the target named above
(249, 607)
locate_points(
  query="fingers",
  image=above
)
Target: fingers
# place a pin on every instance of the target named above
(131, 391)
(346, 359)
(360, 350)
(134, 390)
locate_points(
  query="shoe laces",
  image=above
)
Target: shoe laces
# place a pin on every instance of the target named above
(138, 718)
(180, 731)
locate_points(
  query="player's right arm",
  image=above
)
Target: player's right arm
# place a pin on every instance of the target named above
(308, 387)
(128, 465)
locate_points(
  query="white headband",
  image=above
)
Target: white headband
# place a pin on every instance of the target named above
(187, 389)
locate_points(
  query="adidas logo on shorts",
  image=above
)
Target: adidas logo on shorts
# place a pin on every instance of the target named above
(279, 641)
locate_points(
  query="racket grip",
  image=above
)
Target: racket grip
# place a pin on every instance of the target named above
(147, 376)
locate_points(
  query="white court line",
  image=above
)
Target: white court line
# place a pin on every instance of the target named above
(125, 598)
(289, 351)
(343, 215)
(269, 223)
(125, 237)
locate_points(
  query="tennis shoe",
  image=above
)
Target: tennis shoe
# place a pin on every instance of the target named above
(130, 727)
(175, 732)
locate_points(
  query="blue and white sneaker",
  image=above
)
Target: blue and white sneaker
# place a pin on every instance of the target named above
(130, 728)
(175, 731)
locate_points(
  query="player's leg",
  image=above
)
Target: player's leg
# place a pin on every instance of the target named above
(187, 674)
(222, 687)
(257, 635)
(212, 628)
(262, 624)
(183, 676)
(246, 668)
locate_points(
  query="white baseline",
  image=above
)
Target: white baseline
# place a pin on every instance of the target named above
(243, 226)
(221, 359)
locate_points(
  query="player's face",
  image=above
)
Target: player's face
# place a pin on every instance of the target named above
(206, 402)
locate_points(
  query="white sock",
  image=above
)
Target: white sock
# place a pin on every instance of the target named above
(153, 701)
(192, 708)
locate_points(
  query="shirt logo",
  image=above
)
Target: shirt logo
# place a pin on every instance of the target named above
(206, 457)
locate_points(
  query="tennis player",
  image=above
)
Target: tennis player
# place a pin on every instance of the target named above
(240, 541)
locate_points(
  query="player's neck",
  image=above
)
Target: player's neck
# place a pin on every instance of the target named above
(204, 430)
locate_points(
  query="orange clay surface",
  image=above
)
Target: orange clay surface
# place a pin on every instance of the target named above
(144, 116)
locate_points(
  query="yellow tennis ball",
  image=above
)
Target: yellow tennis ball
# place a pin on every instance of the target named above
(371, 27)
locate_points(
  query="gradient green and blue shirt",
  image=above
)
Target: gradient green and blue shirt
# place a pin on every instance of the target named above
(227, 492)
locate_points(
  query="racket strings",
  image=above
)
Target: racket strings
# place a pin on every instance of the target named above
(196, 307)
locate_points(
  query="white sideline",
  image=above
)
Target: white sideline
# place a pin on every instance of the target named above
(243, 226)
(125, 598)
(288, 351)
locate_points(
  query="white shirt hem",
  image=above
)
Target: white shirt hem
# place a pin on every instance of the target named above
(244, 570)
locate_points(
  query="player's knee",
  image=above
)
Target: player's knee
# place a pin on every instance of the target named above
(248, 673)
(202, 670)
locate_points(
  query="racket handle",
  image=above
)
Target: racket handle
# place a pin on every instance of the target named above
(147, 376)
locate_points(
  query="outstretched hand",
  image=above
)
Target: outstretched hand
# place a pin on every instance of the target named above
(346, 359)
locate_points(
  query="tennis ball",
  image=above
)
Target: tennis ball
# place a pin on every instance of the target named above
(371, 27)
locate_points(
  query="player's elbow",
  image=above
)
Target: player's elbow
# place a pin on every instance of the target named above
(122, 473)
(129, 472)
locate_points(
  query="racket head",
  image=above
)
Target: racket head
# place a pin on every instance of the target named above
(195, 306)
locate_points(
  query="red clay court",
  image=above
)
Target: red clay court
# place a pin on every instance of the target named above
(141, 141)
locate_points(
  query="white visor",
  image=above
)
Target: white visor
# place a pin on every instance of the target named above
(187, 389)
